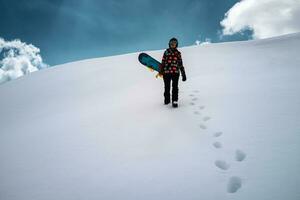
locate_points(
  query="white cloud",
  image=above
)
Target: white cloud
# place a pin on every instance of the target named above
(17, 59)
(198, 42)
(266, 18)
(207, 41)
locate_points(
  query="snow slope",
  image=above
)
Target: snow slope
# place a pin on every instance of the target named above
(98, 129)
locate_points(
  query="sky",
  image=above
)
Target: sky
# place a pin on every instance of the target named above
(71, 30)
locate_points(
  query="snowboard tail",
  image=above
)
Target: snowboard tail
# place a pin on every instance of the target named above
(150, 62)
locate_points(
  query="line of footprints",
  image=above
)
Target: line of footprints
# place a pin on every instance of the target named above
(235, 182)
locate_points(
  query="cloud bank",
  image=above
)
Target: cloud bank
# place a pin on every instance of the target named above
(266, 18)
(17, 59)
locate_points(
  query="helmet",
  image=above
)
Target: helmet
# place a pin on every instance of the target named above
(173, 40)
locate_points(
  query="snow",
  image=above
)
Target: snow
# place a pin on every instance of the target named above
(98, 129)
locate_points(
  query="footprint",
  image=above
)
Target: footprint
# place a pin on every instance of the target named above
(217, 145)
(197, 113)
(218, 134)
(194, 99)
(203, 126)
(201, 107)
(221, 164)
(196, 91)
(192, 103)
(191, 95)
(234, 184)
(206, 118)
(240, 155)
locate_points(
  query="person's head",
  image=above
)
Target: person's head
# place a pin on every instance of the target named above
(173, 43)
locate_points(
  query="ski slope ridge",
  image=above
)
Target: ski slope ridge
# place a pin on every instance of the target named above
(98, 129)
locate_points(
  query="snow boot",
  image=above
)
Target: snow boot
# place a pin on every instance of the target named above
(167, 101)
(174, 104)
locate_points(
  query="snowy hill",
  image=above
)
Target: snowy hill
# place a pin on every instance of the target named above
(98, 129)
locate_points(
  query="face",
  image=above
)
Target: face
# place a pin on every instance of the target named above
(173, 44)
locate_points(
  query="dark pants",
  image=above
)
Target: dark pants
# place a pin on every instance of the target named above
(167, 80)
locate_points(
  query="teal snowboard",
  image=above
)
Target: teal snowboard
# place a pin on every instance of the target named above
(149, 62)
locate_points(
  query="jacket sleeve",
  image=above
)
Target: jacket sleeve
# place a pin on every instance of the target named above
(163, 62)
(181, 68)
(180, 63)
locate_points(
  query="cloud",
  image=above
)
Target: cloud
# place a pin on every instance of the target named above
(266, 18)
(207, 41)
(17, 59)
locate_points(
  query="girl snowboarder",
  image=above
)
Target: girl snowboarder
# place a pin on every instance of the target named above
(170, 69)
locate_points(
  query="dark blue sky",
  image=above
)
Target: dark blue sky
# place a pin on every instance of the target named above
(69, 30)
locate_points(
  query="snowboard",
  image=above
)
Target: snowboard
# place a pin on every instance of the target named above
(149, 62)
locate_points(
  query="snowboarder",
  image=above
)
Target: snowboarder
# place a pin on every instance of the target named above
(170, 70)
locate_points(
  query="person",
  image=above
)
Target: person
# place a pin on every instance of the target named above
(170, 70)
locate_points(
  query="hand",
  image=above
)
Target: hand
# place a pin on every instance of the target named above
(159, 75)
(183, 73)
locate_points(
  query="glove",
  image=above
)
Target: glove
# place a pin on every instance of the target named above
(183, 74)
(159, 75)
